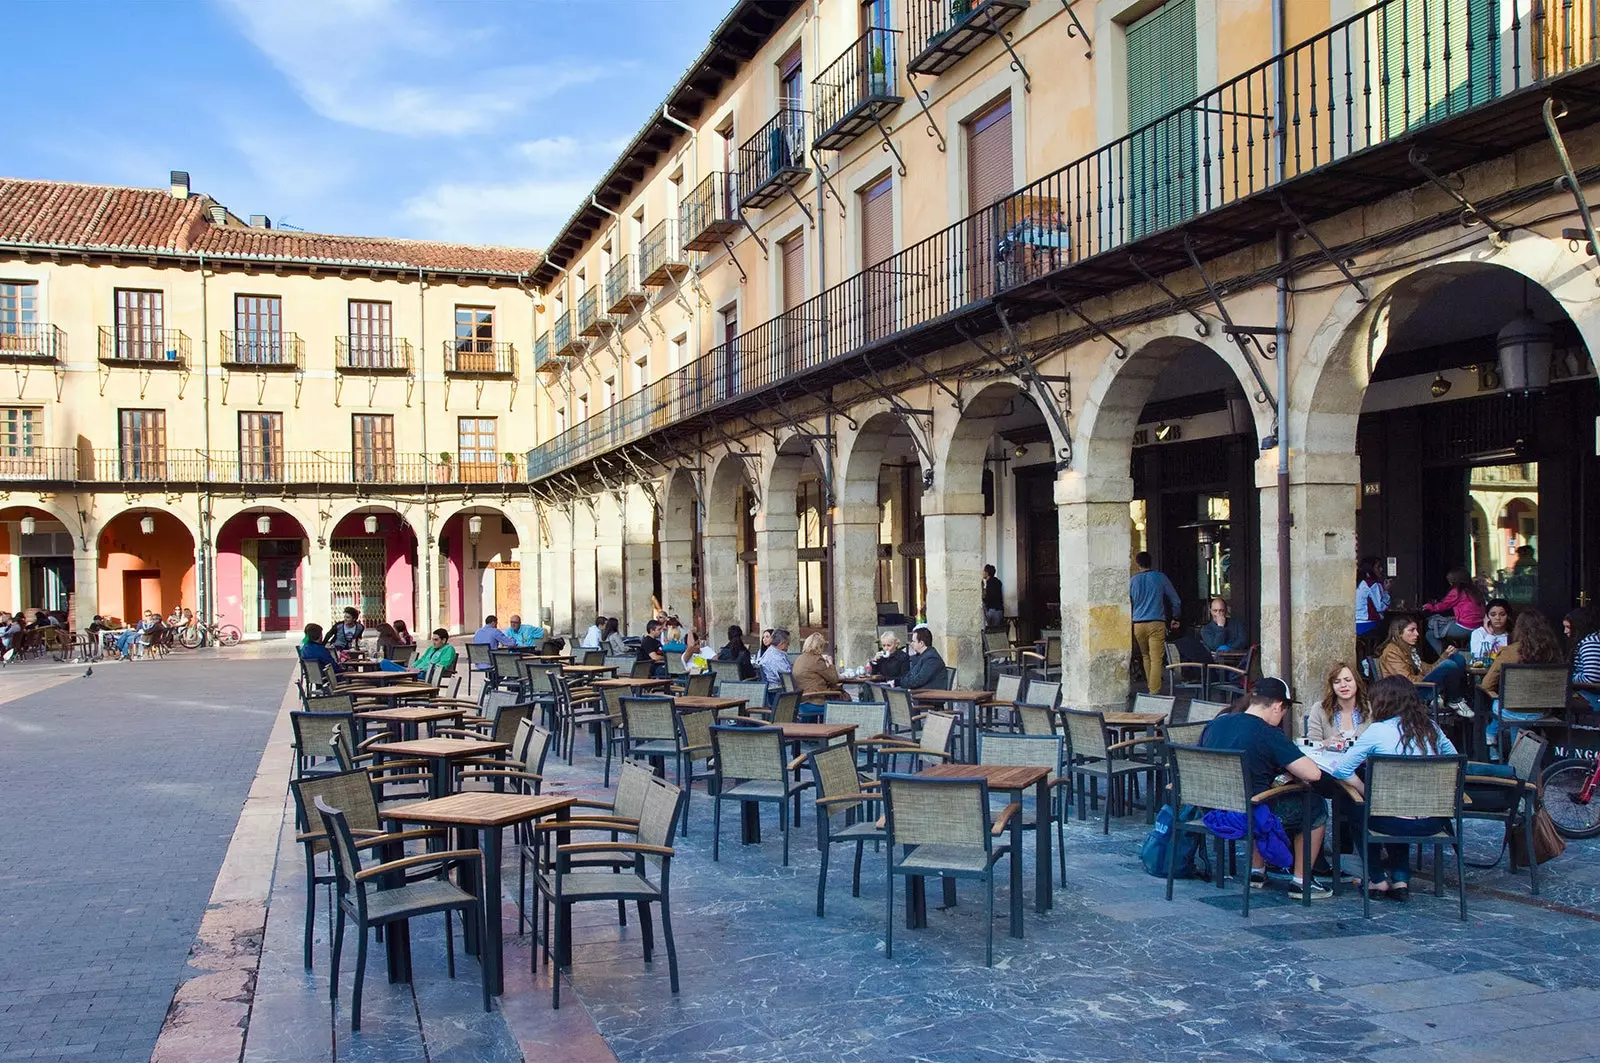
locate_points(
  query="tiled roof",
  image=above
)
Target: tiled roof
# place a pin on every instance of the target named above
(105, 218)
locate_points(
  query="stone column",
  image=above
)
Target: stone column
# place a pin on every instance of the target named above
(317, 594)
(638, 562)
(608, 539)
(557, 564)
(1096, 618)
(855, 582)
(528, 562)
(85, 583)
(953, 538)
(585, 565)
(677, 577)
(778, 571)
(720, 573)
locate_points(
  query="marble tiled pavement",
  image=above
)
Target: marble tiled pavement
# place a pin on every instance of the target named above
(1113, 972)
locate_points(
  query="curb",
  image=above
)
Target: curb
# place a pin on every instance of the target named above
(210, 1011)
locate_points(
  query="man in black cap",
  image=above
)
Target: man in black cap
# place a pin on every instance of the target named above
(1258, 731)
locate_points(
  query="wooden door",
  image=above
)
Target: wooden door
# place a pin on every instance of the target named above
(877, 246)
(989, 180)
(507, 589)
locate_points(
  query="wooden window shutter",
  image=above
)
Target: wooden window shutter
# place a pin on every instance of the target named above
(877, 223)
(794, 271)
(989, 172)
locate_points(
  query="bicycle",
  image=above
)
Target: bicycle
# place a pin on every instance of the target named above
(1569, 797)
(195, 635)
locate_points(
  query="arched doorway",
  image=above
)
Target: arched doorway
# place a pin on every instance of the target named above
(261, 557)
(881, 577)
(678, 558)
(373, 563)
(146, 561)
(794, 537)
(480, 571)
(39, 572)
(730, 548)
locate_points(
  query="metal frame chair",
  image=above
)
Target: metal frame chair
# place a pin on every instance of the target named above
(845, 812)
(1211, 779)
(750, 766)
(1416, 787)
(1092, 755)
(1035, 751)
(1205, 711)
(478, 654)
(1520, 798)
(1544, 688)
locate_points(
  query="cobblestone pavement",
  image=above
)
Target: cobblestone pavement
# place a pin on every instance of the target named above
(120, 791)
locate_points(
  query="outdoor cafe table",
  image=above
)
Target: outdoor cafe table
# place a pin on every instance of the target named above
(588, 669)
(391, 691)
(486, 814)
(629, 683)
(697, 703)
(1015, 780)
(966, 702)
(441, 751)
(376, 675)
(402, 721)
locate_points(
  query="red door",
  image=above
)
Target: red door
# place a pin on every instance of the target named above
(278, 585)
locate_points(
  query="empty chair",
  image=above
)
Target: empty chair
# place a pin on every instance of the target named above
(844, 813)
(754, 693)
(694, 744)
(1035, 751)
(1041, 693)
(1205, 711)
(726, 671)
(700, 686)
(478, 663)
(314, 734)
(932, 742)
(1156, 703)
(786, 707)
(400, 654)
(592, 657)
(902, 714)
(1047, 663)
(623, 665)
(649, 730)
(1226, 682)
(1092, 756)
(642, 669)
(750, 766)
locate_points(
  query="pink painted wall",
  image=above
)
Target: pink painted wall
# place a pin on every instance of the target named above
(230, 563)
(169, 551)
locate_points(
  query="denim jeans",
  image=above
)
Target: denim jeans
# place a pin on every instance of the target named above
(1394, 860)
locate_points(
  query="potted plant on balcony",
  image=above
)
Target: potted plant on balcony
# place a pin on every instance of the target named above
(960, 9)
(443, 470)
(510, 475)
(878, 72)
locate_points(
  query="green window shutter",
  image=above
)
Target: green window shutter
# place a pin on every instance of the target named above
(1163, 159)
(1440, 57)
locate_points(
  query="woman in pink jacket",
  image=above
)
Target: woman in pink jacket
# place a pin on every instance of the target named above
(1464, 604)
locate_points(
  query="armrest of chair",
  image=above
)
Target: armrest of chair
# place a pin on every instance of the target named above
(1279, 791)
(589, 823)
(453, 855)
(1131, 742)
(595, 804)
(499, 773)
(1493, 780)
(1004, 818)
(400, 836)
(747, 719)
(457, 732)
(616, 847)
(846, 799)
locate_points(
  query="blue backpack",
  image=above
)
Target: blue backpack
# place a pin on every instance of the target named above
(1192, 860)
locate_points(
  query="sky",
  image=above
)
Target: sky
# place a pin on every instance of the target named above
(483, 121)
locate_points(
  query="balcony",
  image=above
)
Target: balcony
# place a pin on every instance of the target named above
(542, 361)
(624, 294)
(147, 348)
(25, 463)
(946, 31)
(710, 215)
(773, 162)
(372, 355)
(1100, 222)
(857, 92)
(659, 254)
(591, 322)
(479, 358)
(31, 342)
(259, 351)
(565, 341)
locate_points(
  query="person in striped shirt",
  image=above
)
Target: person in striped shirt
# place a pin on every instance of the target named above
(1584, 639)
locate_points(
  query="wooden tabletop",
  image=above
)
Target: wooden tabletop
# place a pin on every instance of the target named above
(815, 732)
(479, 809)
(412, 714)
(686, 703)
(977, 697)
(632, 684)
(588, 669)
(391, 690)
(530, 652)
(440, 747)
(1135, 719)
(998, 776)
(378, 676)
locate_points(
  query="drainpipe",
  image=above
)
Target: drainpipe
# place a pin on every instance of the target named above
(425, 547)
(206, 573)
(1285, 516)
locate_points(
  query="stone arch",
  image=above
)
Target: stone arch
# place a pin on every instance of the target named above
(725, 595)
(139, 570)
(261, 583)
(190, 522)
(341, 512)
(69, 518)
(470, 571)
(385, 587)
(680, 525)
(58, 576)
(777, 531)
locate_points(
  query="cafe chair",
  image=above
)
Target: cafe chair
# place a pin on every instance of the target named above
(642, 669)
(1034, 719)
(786, 681)
(396, 891)
(751, 767)
(943, 827)
(478, 663)
(623, 665)
(579, 706)
(1416, 787)
(1042, 694)
(676, 669)
(1035, 751)
(649, 731)
(932, 743)
(726, 671)
(1157, 703)
(700, 686)
(413, 775)
(505, 671)
(1007, 692)
(520, 771)
(313, 737)
(402, 655)
(1225, 682)
(786, 707)
(694, 744)
(563, 881)
(1205, 711)
(1047, 663)
(1092, 756)
(1185, 678)
(1512, 802)
(902, 715)
(754, 693)
(845, 812)
(592, 657)
(1530, 688)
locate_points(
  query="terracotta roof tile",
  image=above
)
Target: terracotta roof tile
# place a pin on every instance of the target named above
(150, 221)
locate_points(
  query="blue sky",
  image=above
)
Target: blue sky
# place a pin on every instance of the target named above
(469, 120)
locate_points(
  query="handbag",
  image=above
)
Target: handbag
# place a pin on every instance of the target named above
(1547, 841)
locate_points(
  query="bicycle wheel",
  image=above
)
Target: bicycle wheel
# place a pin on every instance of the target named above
(228, 635)
(189, 637)
(1563, 792)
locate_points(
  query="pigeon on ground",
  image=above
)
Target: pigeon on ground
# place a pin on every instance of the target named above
(89, 671)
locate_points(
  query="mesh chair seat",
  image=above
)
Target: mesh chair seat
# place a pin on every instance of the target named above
(654, 747)
(867, 830)
(415, 898)
(602, 884)
(947, 859)
(761, 790)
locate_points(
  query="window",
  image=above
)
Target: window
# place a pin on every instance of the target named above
(258, 329)
(476, 455)
(641, 372)
(561, 421)
(637, 227)
(792, 293)
(140, 326)
(1162, 77)
(730, 205)
(989, 179)
(680, 344)
(142, 444)
(582, 413)
(611, 391)
(371, 335)
(260, 445)
(877, 245)
(791, 79)
(19, 310)
(475, 339)
(730, 350)
(372, 447)
(811, 538)
(20, 431)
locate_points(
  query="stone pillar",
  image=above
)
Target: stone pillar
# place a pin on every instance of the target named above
(677, 577)
(953, 538)
(317, 594)
(720, 574)
(778, 571)
(85, 582)
(608, 539)
(585, 566)
(638, 562)
(855, 583)
(557, 565)
(1096, 618)
(528, 562)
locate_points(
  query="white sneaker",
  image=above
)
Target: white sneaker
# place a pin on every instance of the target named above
(1462, 708)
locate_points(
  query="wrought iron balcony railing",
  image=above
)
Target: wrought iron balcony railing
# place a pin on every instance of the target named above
(659, 254)
(31, 341)
(542, 360)
(25, 462)
(858, 90)
(624, 294)
(143, 464)
(711, 213)
(371, 354)
(146, 347)
(467, 357)
(773, 162)
(590, 321)
(565, 341)
(261, 350)
(1353, 98)
(945, 31)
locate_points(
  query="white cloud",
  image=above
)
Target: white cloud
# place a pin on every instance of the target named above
(389, 66)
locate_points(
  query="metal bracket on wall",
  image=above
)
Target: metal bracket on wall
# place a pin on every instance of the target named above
(1004, 37)
(1244, 335)
(735, 260)
(954, 393)
(1077, 30)
(744, 219)
(1028, 372)
(1469, 212)
(1338, 263)
(822, 175)
(911, 417)
(802, 203)
(1554, 111)
(1094, 326)
(921, 96)
(1202, 327)
(888, 145)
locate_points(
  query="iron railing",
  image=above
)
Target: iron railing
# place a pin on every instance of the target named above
(710, 214)
(857, 89)
(624, 293)
(31, 341)
(943, 31)
(774, 159)
(469, 357)
(137, 463)
(541, 354)
(24, 462)
(371, 354)
(589, 321)
(1357, 85)
(659, 253)
(261, 349)
(137, 344)
(565, 341)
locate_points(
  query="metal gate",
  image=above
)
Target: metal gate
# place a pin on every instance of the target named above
(358, 578)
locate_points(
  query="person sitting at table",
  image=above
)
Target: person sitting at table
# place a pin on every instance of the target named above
(1584, 639)
(926, 670)
(387, 639)
(402, 634)
(650, 645)
(438, 652)
(1533, 641)
(1223, 632)
(10, 630)
(1191, 648)
(892, 660)
(595, 635)
(815, 675)
(1343, 713)
(523, 635)
(612, 641)
(766, 642)
(1372, 597)
(345, 638)
(1449, 673)
(672, 639)
(311, 648)
(1267, 752)
(774, 660)
(1400, 727)
(1464, 606)
(736, 651)
(149, 623)
(693, 654)
(1491, 636)
(490, 635)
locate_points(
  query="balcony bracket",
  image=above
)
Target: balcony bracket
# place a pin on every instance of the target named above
(822, 175)
(183, 380)
(1094, 326)
(744, 219)
(299, 382)
(1202, 327)
(511, 400)
(411, 383)
(447, 392)
(1004, 37)
(1469, 212)
(1057, 406)
(888, 145)
(955, 393)
(1338, 263)
(801, 203)
(1554, 111)
(921, 96)
(1244, 336)
(1077, 30)
(60, 372)
(918, 422)
(735, 260)
(829, 406)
